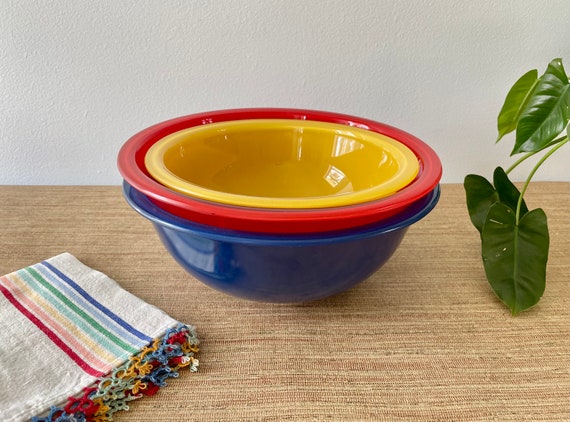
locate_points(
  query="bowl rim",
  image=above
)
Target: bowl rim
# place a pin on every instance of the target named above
(406, 161)
(130, 163)
(142, 204)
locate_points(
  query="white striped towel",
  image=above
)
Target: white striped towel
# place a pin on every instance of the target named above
(75, 346)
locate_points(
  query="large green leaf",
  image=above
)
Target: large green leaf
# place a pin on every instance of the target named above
(508, 192)
(480, 195)
(514, 256)
(547, 112)
(515, 102)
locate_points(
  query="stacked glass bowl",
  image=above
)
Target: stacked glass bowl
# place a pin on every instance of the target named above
(279, 205)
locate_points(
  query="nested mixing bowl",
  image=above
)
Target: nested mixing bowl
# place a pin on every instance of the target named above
(132, 167)
(281, 163)
(279, 268)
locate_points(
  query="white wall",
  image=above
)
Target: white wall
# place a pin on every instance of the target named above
(77, 77)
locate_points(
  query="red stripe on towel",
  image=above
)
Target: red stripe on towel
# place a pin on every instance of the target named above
(51, 335)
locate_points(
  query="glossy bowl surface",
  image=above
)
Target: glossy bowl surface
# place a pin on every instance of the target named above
(281, 163)
(131, 165)
(273, 268)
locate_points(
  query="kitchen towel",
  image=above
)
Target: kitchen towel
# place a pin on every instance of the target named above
(76, 346)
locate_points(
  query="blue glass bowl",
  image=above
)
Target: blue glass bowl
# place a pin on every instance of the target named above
(275, 267)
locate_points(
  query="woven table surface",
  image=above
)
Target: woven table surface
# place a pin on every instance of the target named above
(423, 339)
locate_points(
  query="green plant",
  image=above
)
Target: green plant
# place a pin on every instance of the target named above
(514, 240)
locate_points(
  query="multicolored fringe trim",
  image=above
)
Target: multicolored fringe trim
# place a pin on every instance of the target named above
(142, 375)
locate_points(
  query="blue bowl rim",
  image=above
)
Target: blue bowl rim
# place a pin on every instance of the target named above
(144, 206)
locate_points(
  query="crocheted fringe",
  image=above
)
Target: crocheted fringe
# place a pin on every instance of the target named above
(142, 375)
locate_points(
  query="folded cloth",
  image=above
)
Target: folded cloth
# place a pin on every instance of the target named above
(75, 346)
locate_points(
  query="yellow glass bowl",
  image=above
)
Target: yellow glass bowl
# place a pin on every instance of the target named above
(281, 163)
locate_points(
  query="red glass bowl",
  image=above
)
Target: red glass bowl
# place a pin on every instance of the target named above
(258, 220)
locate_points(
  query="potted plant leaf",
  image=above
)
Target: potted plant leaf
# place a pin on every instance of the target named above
(514, 239)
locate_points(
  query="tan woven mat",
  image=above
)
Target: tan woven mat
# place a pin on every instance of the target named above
(423, 339)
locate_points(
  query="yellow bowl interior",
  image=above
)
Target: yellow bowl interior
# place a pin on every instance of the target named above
(281, 163)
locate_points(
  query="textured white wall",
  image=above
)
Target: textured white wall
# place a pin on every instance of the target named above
(77, 77)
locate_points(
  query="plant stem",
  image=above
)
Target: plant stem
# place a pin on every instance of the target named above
(520, 160)
(532, 172)
(530, 154)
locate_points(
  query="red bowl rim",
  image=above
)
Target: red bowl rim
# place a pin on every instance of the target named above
(130, 162)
